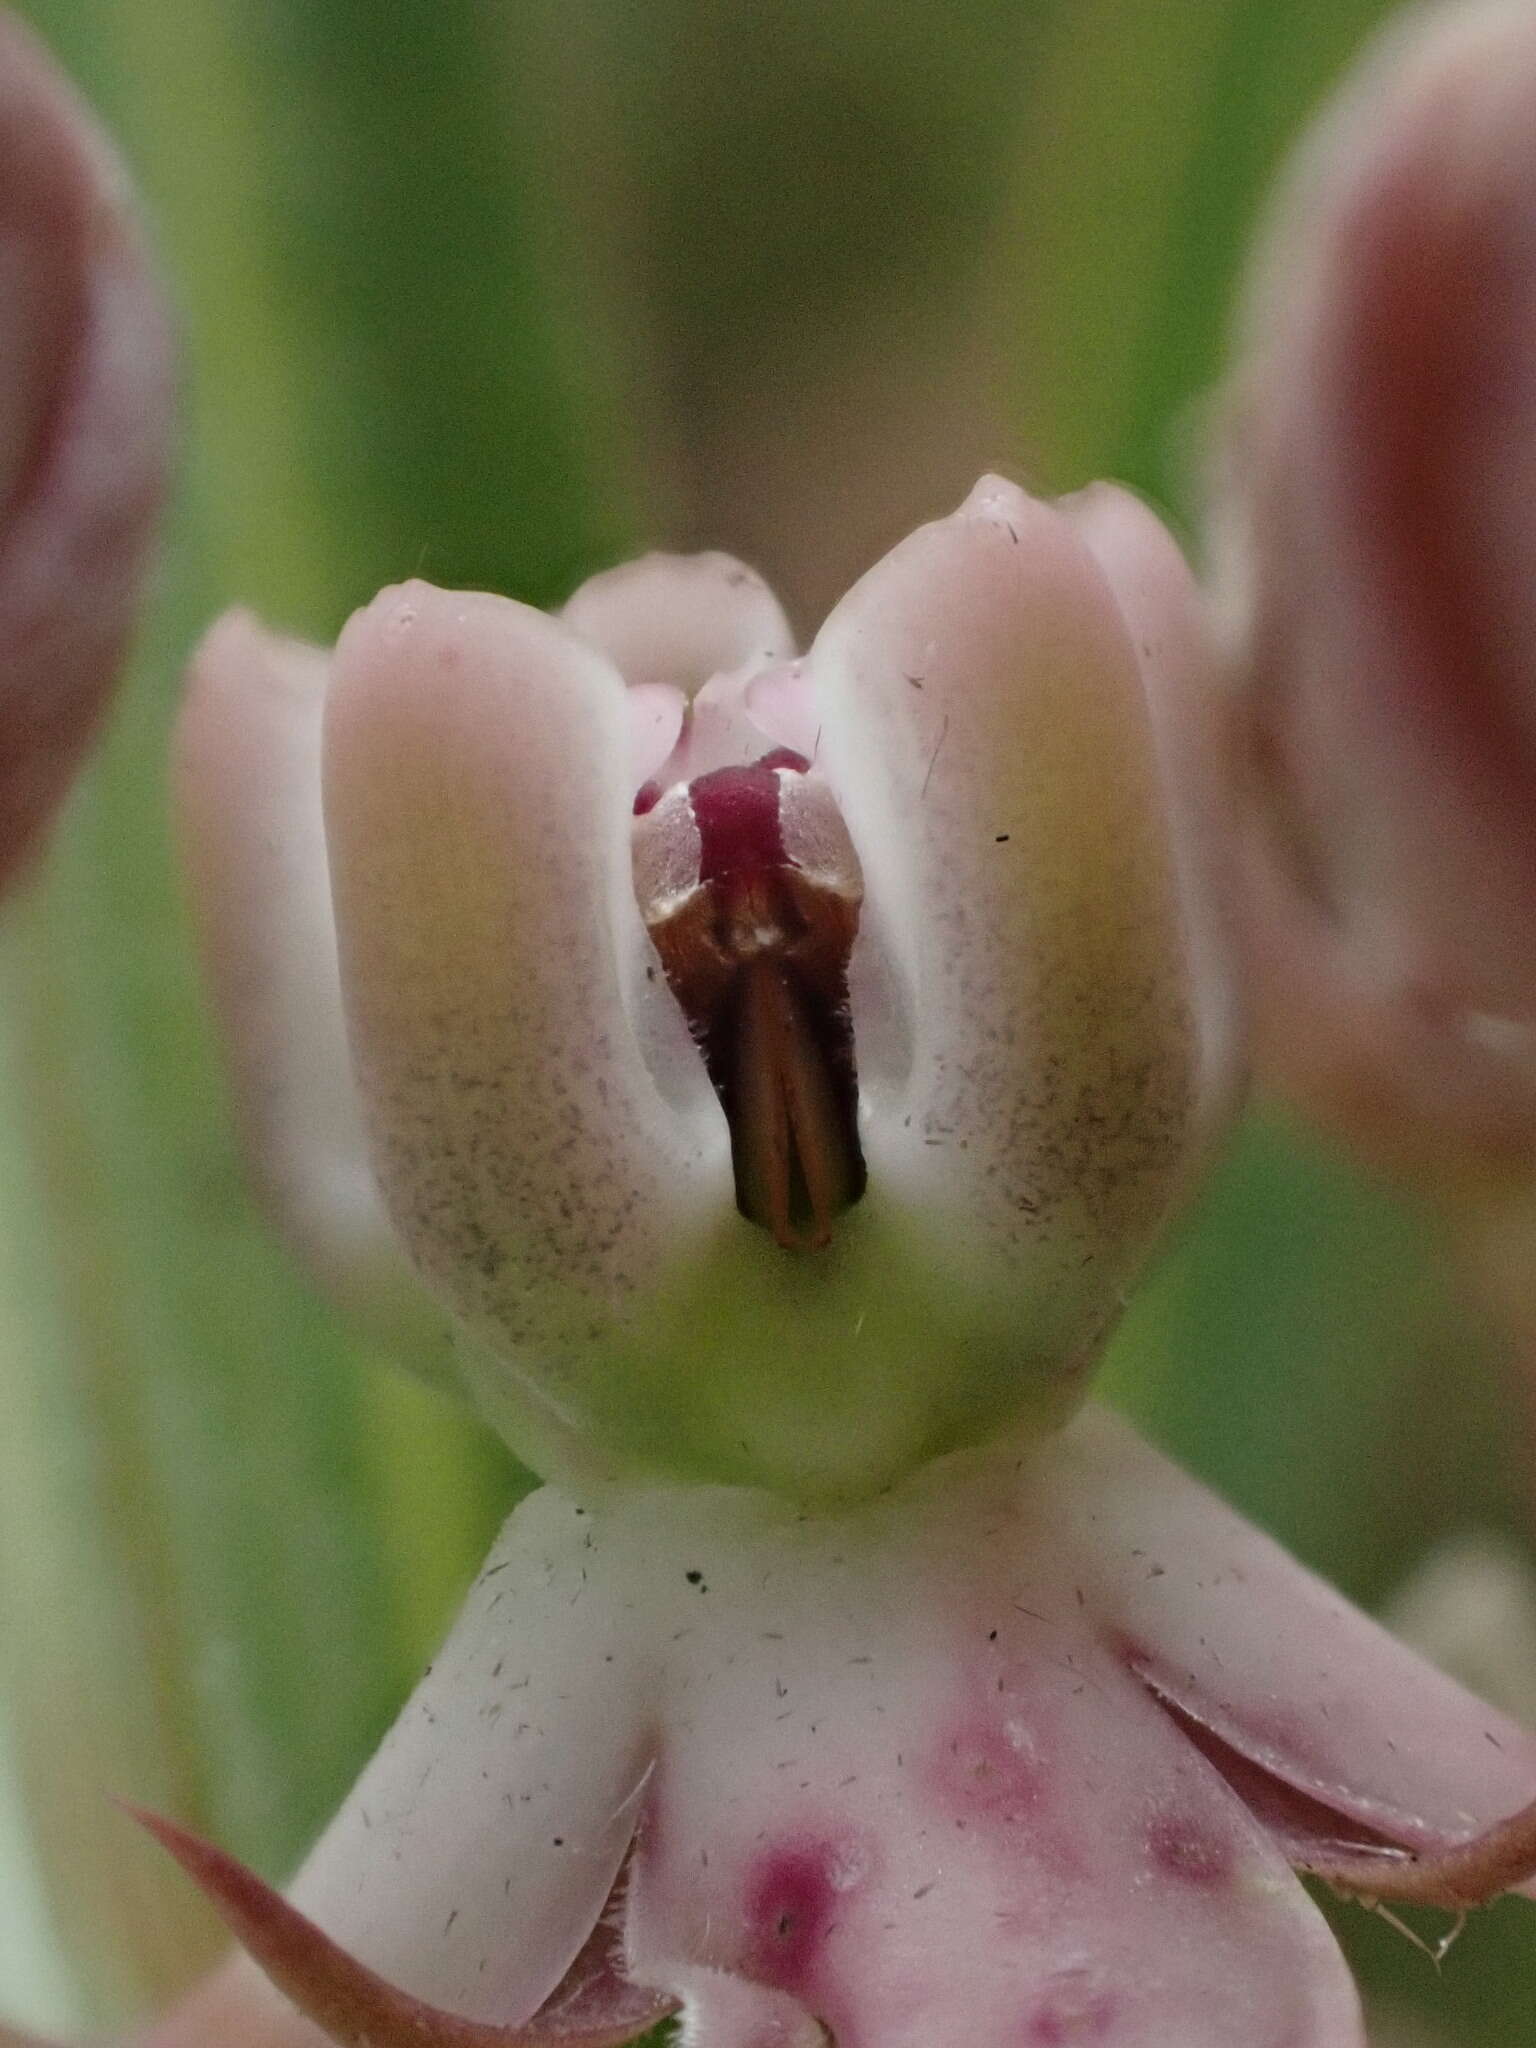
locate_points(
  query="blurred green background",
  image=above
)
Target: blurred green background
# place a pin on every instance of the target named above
(496, 291)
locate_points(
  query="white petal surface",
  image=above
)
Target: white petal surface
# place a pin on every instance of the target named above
(655, 712)
(246, 773)
(474, 1855)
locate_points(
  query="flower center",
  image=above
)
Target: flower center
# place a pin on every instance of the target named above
(750, 890)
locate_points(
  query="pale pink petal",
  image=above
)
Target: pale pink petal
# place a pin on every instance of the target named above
(681, 619)
(721, 731)
(782, 702)
(736, 718)
(246, 777)
(1171, 632)
(510, 1047)
(721, 2010)
(656, 712)
(1275, 1664)
(471, 1861)
(985, 730)
(85, 409)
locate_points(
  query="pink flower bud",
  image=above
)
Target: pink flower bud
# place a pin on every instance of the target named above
(1376, 521)
(85, 406)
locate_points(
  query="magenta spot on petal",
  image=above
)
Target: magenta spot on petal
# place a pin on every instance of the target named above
(794, 1893)
(989, 1769)
(785, 757)
(737, 813)
(1188, 1850)
(647, 797)
(1073, 2008)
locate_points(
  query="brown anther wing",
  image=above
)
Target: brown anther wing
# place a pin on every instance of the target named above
(788, 1127)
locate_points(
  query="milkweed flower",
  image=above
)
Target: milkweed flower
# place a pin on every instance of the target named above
(85, 414)
(950, 813)
(779, 1068)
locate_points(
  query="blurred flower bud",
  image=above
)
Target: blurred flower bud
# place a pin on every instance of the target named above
(1376, 556)
(1469, 1606)
(85, 409)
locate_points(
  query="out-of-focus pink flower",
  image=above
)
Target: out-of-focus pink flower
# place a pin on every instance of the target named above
(951, 1724)
(85, 412)
(1376, 547)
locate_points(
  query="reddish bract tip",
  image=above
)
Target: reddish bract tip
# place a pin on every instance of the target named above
(1470, 1873)
(85, 407)
(359, 2009)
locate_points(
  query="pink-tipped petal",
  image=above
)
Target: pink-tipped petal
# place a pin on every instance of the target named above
(246, 774)
(494, 967)
(479, 1848)
(985, 730)
(681, 619)
(722, 732)
(1420, 1087)
(1171, 632)
(1288, 1677)
(85, 413)
(656, 712)
(781, 702)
